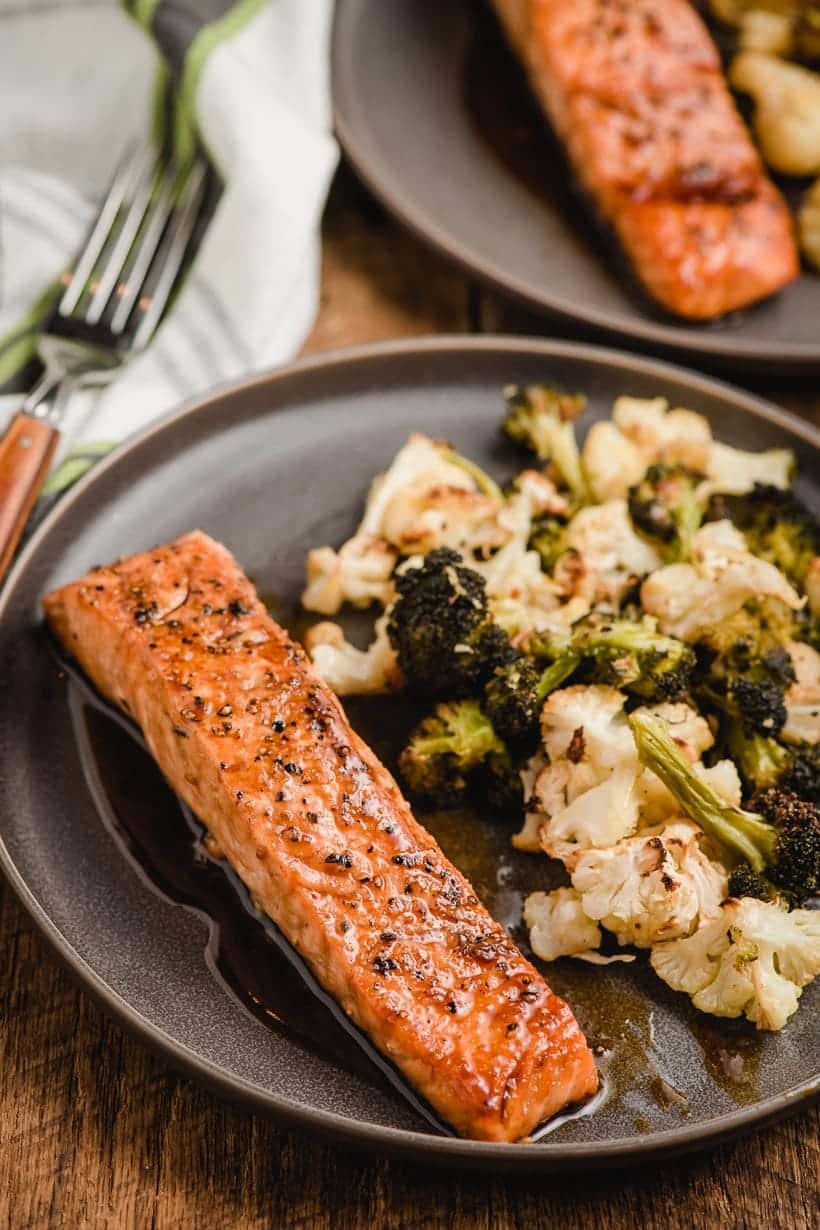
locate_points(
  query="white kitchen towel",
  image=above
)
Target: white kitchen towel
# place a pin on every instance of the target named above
(85, 79)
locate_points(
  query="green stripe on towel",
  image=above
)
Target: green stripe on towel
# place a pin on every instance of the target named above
(208, 39)
(74, 467)
(19, 345)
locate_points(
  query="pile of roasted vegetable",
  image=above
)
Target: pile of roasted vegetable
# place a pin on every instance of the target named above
(622, 646)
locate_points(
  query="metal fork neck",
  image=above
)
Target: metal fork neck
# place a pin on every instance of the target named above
(39, 402)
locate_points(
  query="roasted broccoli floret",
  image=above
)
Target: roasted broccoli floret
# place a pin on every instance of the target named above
(802, 773)
(618, 652)
(776, 525)
(743, 882)
(781, 841)
(516, 691)
(445, 749)
(441, 628)
(755, 633)
(746, 671)
(634, 656)
(763, 762)
(540, 419)
(547, 538)
(759, 701)
(665, 508)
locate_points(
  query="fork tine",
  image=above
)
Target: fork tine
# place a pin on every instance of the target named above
(140, 192)
(180, 231)
(157, 217)
(95, 243)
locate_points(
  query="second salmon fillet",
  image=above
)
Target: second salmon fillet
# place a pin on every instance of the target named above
(634, 89)
(254, 742)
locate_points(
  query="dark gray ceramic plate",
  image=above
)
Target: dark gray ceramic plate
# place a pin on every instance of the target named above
(101, 857)
(433, 111)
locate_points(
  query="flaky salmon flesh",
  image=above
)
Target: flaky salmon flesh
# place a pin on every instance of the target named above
(255, 743)
(635, 91)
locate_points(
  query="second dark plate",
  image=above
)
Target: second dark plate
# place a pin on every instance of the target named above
(434, 112)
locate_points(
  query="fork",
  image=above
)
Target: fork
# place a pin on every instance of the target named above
(113, 299)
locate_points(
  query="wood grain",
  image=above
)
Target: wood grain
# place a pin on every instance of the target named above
(95, 1131)
(26, 450)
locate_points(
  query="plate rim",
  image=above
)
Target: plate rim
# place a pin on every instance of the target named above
(685, 341)
(399, 1141)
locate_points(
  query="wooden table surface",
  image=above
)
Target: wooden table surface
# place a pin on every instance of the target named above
(95, 1131)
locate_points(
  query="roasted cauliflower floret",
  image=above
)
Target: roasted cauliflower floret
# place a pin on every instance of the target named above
(651, 887)
(605, 555)
(350, 671)
(691, 733)
(420, 519)
(597, 712)
(803, 697)
(586, 795)
(812, 587)
(768, 33)
(612, 462)
(428, 498)
(787, 110)
(675, 437)
(597, 817)
(732, 471)
(752, 959)
(808, 224)
(558, 926)
(529, 838)
(359, 573)
(513, 574)
(687, 599)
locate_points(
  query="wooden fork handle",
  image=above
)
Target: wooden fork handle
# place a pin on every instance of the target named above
(25, 455)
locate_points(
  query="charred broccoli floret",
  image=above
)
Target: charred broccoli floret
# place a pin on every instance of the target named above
(665, 508)
(516, 691)
(743, 882)
(780, 841)
(619, 652)
(802, 773)
(540, 419)
(776, 525)
(745, 670)
(445, 749)
(441, 628)
(763, 762)
(760, 703)
(634, 656)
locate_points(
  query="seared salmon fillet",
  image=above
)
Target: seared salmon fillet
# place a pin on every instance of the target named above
(635, 91)
(255, 743)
